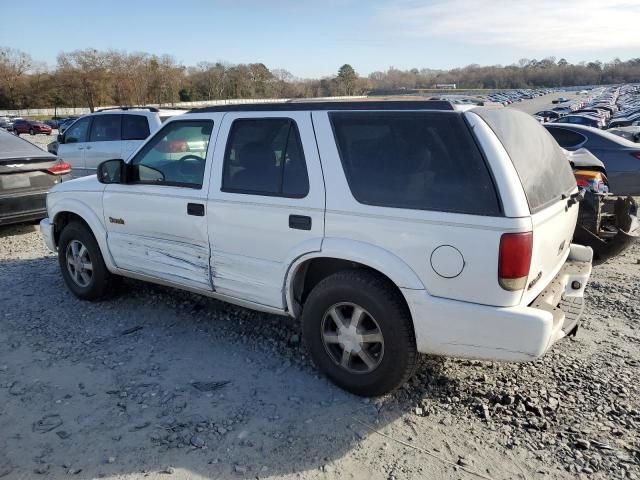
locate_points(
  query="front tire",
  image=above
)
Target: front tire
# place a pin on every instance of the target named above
(32, 132)
(81, 263)
(359, 332)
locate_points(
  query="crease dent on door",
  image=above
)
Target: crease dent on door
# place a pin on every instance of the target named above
(179, 262)
(243, 276)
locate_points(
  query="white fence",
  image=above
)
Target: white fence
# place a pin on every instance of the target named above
(65, 111)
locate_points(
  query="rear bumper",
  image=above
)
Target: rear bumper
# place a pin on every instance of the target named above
(22, 207)
(521, 333)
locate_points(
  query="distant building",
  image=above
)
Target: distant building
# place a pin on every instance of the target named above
(446, 86)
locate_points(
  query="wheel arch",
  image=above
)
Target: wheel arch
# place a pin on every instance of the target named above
(337, 255)
(72, 210)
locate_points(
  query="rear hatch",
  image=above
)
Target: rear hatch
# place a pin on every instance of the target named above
(548, 183)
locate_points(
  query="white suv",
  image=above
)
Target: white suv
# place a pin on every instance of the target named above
(389, 228)
(107, 134)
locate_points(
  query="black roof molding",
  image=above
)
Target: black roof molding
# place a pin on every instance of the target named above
(296, 106)
(151, 109)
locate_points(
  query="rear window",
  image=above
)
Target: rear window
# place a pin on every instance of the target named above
(415, 160)
(543, 168)
(566, 138)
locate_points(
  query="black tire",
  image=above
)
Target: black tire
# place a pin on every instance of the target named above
(379, 298)
(32, 132)
(101, 280)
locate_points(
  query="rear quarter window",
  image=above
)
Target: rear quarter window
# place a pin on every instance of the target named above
(544, 171)
(414, 160)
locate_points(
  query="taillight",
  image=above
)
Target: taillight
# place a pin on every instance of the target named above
(60, 168)
(514, 260)
(636, 155)
(582, 183)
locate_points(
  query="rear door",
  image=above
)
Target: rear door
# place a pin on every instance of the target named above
(548, 181)
(266, 203)
(75, 142)
(104, 141)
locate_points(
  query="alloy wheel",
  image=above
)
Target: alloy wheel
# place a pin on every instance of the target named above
(352, 338)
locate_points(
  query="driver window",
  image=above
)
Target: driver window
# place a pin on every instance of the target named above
(175, 156)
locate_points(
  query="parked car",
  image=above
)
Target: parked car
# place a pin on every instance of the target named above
(66, 123)
(368, 231)
(31, 127)
(6, 123)
(620, 157)
(560, 100)
(26, 173)
(105, 134)
(607, 223)
(548, 115)
(581, 119)
(629, 133)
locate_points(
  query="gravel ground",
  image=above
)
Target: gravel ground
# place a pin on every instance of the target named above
(160, 383)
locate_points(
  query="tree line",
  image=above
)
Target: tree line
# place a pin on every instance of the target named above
(92, 78)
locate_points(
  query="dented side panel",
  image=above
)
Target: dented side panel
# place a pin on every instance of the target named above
(174, 261)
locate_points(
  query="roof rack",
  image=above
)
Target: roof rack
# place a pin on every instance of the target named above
(151, 109)
(349, 105)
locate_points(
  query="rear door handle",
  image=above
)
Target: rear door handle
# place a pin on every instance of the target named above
(88, 147)
(195, 209)
(300, 222)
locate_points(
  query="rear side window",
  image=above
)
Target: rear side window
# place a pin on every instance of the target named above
(105, 128)
(567, 138)
(416, 160)
(544, 170)
(264, 157)
(134, 127)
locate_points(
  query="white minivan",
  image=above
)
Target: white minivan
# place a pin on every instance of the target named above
(388, 227)
(106, 134)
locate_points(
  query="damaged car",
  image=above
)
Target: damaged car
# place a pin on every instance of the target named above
(607, 223)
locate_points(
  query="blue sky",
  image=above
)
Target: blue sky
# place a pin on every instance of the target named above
(313, 38)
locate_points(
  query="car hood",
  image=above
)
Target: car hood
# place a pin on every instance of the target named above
(82, 184)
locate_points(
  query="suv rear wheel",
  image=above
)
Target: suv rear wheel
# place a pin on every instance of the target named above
(359, 332)
(81, 263)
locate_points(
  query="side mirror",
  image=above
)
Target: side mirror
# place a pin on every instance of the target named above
(60, 138)
(112, 171)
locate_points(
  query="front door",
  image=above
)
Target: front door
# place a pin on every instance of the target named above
(75, 142)
(266, 203)
(157, 222)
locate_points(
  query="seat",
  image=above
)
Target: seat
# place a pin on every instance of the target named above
(258, 171)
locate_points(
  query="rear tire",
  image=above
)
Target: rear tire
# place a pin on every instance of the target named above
(82, 264)
(377, 332)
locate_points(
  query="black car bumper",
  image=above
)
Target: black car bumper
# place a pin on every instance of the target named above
(23, 207)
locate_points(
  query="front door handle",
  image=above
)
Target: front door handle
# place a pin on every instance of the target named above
(88, 147)
(300, 222)
(195, 209)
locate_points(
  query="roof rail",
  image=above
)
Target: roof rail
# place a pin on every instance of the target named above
(349, 105)
(151, 109)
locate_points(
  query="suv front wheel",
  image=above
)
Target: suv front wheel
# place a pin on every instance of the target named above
(359, 332)
(81, 263)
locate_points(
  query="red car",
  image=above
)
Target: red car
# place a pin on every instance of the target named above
(30, 126)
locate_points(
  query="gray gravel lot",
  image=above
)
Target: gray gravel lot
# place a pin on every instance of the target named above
(160, 383)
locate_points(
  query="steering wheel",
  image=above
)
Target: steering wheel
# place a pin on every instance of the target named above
(191, 166)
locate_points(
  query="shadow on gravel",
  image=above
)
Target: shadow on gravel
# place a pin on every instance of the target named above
(17, 229)
(156, 378)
